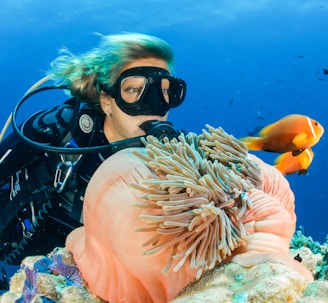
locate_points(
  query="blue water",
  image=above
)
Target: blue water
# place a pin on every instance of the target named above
(247, 63)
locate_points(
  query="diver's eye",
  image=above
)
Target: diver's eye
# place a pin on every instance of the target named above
(134, 90)
(165, 86)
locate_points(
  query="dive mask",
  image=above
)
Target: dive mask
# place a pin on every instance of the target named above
(147, 90)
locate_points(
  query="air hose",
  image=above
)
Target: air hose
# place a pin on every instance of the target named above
(10, 117)
(36, 222)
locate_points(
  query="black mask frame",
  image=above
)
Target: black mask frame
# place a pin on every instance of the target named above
(151, 101)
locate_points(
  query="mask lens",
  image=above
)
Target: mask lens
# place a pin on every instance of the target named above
(165, 87)
(132, 88)
(172, 90)
(176, 92)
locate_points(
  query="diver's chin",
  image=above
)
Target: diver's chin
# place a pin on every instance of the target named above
(141, 132)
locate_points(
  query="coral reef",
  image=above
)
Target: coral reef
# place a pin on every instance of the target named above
(300, 240)
(51, 278)
(266, 282)
(227, 283)
(262, 283)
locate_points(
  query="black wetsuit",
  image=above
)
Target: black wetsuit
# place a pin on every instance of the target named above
(41, 192)
(39, 206)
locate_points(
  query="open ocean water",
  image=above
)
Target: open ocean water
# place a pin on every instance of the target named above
(247, 63)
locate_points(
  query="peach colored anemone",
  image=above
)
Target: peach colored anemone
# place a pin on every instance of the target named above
(110, 253)
(270, 223)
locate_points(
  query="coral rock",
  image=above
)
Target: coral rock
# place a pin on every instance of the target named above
(267, 282)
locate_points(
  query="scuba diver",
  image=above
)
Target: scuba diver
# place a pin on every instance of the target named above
(120, 91)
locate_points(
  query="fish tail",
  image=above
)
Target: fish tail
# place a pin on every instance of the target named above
(253, 143)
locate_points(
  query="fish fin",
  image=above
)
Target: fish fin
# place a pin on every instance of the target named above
(253, 143)
(255, 131)
(302, 172)
(297, 152)
(300, 139)
(278, 159)
(278, 163)
(266, 130)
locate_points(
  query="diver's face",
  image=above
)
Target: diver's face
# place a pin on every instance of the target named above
(119, 125)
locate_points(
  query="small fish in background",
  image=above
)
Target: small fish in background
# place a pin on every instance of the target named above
(289, 164)
(291, 133)
(260, 116)
(325, 71)
(255, 131)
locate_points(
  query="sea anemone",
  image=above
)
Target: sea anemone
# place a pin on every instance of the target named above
(156, 218)
(200, 198)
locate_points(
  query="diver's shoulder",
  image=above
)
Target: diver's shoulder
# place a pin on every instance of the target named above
(55, 125)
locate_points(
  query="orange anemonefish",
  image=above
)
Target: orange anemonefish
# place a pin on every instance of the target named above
(289, 164)
(291, 133)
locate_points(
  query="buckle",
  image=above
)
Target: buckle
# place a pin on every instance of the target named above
(64, 171)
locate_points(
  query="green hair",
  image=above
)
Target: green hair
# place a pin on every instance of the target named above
(85, 73)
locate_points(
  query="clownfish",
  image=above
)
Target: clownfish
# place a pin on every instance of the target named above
(289, 164)
(291, 133)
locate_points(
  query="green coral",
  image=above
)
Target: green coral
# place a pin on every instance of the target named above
(300, 239)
